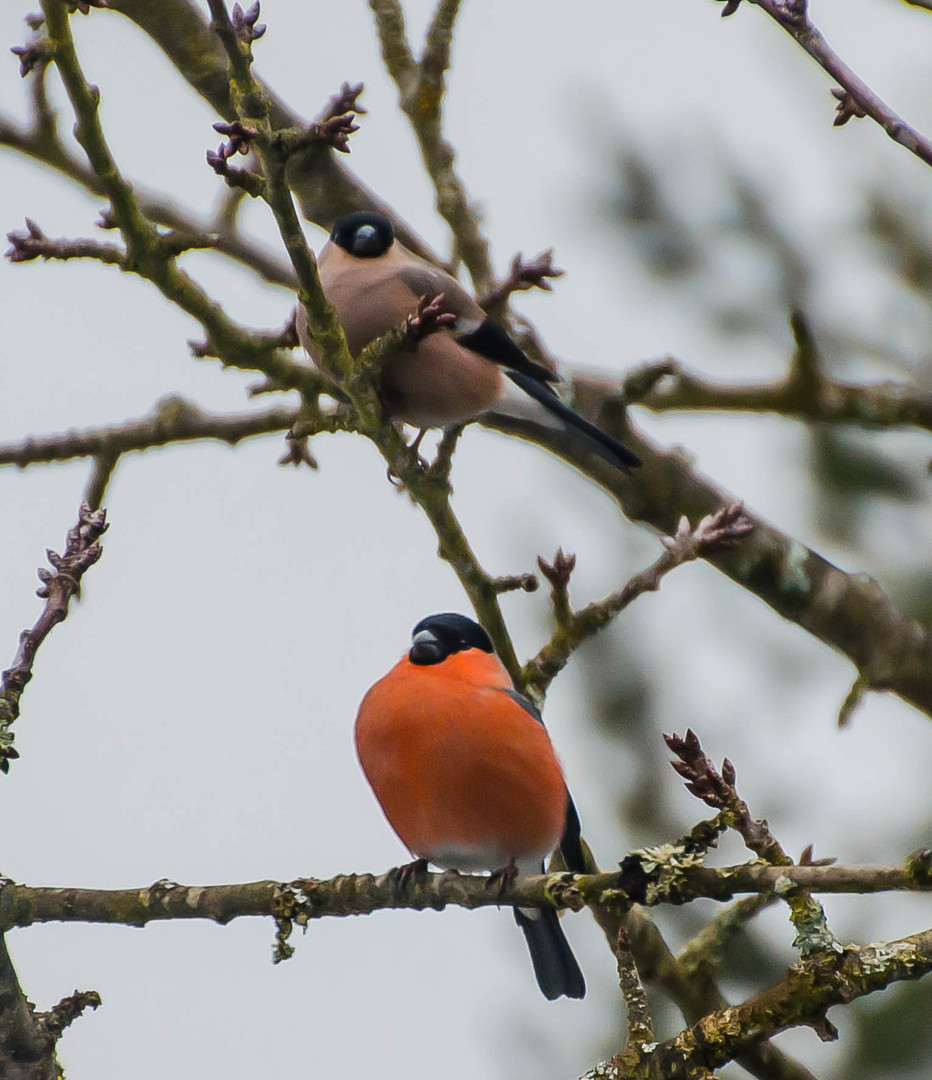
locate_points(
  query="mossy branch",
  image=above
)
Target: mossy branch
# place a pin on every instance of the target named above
(362, 894)
(667, 385)
(421, 86)
(146, 254)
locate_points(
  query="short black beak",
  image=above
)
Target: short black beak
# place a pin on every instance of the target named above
(366, 241)
(425, 648)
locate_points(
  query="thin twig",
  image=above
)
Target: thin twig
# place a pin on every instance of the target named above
(82, 550)
(858, 99)
(421, 86)
(718, 790)
(536, 273)
(172, 420)
(722, 529)
(34, 244)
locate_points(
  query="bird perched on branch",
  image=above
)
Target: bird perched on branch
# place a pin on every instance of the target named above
(456, 362)
(466, 774)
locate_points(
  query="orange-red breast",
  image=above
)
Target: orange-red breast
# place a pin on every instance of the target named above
(467, 776)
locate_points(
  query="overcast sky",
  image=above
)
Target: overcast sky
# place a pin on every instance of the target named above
(193, 718)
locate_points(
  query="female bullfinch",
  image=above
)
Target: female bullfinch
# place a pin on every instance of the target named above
(374, 283)
(466, 774)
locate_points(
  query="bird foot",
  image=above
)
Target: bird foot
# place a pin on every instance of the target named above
(414, 451)
(402, 876)
(500, 880)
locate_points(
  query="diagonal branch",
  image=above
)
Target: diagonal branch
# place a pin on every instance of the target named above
(325, 188)
(848, 611)
(718, 791)
(722, 529)
(421, 86)
(82, 550)
(28, 1038)
(856, 97)
(147, 255)
(43, 145)
(802, 997)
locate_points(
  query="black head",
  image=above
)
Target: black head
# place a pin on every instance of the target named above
(364, 235)
(439, 636)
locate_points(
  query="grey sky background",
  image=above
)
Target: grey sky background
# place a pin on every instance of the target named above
(193, 718)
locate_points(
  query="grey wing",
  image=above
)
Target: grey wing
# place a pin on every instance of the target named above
(426, 280)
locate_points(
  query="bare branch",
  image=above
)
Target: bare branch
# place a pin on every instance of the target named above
(42, 144)
(534, 274)
(855, 98)
(421, 86)
(172, 420)
(146, 253)
(802, 997)
(640, 1025)
(721, 529)
(847, 611)
(34, 244)
(28, 1038)
(82, 550)
(325, 188)
(666, 385)
(718, 790)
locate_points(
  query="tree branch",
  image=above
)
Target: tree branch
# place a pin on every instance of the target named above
(718, 791)
(146, 254)
(676, 882)
(421, 86)
(325, 187)
(722, 529)
(665, 385)
(28, 1038)
(82, 550)
(856, 97)
(850, 612)
(172, 420)
(640, 1025)
(802, 997)
(43, 145)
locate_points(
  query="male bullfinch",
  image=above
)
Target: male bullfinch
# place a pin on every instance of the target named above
(466, 774)
(449, 376)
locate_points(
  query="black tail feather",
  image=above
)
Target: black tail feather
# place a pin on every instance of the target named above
(602, 443)
(558, 974)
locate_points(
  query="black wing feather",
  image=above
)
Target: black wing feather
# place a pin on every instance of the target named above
(570, 845)
(491, 341)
